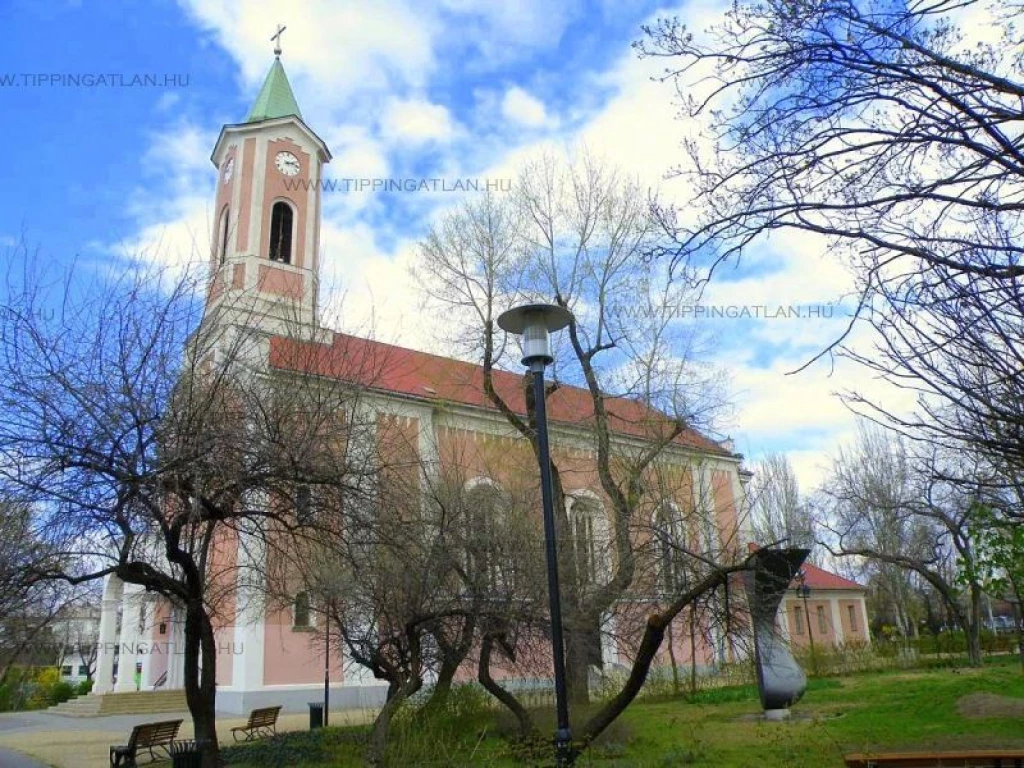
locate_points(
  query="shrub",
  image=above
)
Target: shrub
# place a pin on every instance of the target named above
(295, 748)
(84, 687)
(449, 733)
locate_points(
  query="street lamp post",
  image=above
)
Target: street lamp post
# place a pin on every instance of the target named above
(535, 322)
(804, 591)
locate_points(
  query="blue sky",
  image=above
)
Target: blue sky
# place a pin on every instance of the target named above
(454, 88)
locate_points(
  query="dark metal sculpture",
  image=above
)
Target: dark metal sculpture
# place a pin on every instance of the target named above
(780, 680)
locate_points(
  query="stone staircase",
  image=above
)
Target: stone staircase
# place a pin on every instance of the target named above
(131, 703)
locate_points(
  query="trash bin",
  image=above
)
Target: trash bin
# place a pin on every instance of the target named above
(186, 754)
(316, 715)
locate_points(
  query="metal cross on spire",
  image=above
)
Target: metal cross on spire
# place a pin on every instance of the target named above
(276, 39)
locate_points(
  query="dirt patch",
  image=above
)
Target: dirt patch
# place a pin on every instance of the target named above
(990, 705)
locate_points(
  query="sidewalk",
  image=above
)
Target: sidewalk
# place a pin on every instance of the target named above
(66, 742)
(10, 759)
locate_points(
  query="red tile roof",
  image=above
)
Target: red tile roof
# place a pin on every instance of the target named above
(818, 578)
(393, 369)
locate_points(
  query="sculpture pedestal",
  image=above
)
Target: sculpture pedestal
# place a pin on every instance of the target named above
(776, 714)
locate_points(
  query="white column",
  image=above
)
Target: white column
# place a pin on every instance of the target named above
(704, 498)
(839, 635)
(864, 620)
(247, 659)
(108, 638)
(176, 651)
(609, 646)
(146, 641)
(131, 637)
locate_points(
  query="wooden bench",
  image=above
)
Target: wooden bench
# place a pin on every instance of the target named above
(982, 758)
(146, 737)
(262, 722)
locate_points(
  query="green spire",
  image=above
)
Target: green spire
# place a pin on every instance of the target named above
(276, 98)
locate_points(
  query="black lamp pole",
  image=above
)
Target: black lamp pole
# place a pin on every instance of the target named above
(535, 322)
(563, 736)
(327, 667)
(805, 591)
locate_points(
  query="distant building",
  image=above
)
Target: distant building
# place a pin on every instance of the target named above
(75, 632)
(834, 611)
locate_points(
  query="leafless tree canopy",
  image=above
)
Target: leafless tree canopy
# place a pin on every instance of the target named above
(895, 130)
(579, 233)
(148, 444)
(779, 514)
(875, 123)
(890, 506)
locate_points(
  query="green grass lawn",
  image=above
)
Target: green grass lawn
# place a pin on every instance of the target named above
(870, 712)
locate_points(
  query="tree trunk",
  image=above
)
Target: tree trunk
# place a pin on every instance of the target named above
(693, 650)
(452, 657)
(443, 687)
(605, 716)
(676, 685)
(1017, 626)
(972, 628)
(527, 729)
(201, 679)
(577, 667)
(397, 695)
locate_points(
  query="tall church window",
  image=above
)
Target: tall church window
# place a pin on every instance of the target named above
(300, 611)
(669, 540)
(303, 505)
(225, 223)
(587, 536)
(485, 516)
(281, 233)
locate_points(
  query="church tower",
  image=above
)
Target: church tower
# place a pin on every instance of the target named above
(266, 236)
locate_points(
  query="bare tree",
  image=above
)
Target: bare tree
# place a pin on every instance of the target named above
(778, 513)
(27, 603)
(892, 508)
(894, 132)
(150, 442)
(578, 234)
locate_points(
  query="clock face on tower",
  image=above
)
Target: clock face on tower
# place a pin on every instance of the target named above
(287, 163)
(229, 169)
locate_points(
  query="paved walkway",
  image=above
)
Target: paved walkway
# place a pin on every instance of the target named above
(10, 759)
(84, 742)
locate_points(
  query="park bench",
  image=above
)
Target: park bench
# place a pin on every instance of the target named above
(983, 758)
(262, 722)
(146, 737)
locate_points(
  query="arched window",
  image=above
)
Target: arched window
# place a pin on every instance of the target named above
(669, 540)
(303, 505)
(300, 611)
(485, 516)
(225, 223)
(281, 233)
(588, 532)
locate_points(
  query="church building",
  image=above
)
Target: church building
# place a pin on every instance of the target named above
(265, 268)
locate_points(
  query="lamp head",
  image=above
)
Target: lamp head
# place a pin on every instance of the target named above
(535, 323)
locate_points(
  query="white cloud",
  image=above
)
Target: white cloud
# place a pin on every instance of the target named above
(334, 48)
(521, 107)
(416, 121)
(346, 60)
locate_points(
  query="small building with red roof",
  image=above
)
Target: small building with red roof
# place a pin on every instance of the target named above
(823, 608)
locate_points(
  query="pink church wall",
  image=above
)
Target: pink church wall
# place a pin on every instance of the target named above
(857, 632)
(726, 513)
(293, 656)
(280, 282)
(245, 204)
